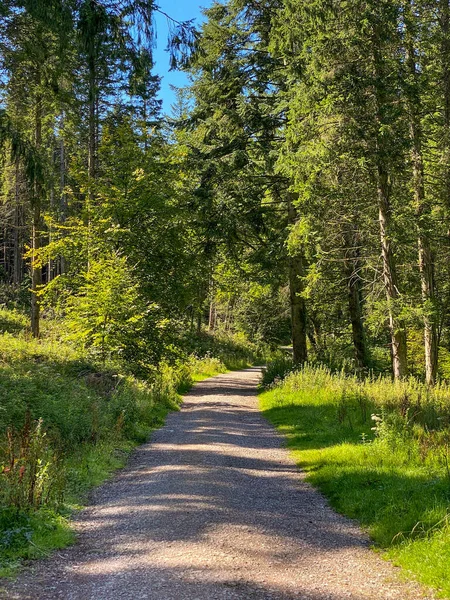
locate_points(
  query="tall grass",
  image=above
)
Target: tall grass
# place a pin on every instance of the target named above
(380, 451)
(278, 368)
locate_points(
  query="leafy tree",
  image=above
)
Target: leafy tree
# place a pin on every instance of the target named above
(238, 128)
(108, 315)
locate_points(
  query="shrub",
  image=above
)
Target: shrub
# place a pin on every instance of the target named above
(29, 475)
(277, 369)
(233, 350)
(109, 317)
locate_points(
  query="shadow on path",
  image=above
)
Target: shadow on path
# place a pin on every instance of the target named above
(213, 508)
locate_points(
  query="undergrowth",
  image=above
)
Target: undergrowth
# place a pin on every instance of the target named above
(380, 452)
(66, 423)
(233, 350)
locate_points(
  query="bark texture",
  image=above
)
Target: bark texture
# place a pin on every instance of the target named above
(396, 326)
(297, 302)
(422, 209)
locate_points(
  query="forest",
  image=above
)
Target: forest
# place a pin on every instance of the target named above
(293, 209)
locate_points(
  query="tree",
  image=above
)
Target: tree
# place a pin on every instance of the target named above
(238, 128)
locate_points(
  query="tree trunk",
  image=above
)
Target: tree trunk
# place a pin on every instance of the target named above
(17, 255)
(352, 265)
(422, 209)
(396, 326)
(63, 199)
(201, 299)
(445, 54)
(50, 262)
(92, 149)
(297, 302)
(212, 317)
(36, 269)
(428, 293)
(92, 121)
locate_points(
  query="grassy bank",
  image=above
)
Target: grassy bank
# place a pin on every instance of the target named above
(380, 452)
(67, 423)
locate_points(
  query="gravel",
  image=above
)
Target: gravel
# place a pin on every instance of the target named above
(213, 508)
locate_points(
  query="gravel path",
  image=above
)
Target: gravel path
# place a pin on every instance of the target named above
(213, 508)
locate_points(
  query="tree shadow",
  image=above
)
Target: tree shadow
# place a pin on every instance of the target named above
(319, 426)
(175, 584)
(369, 484)
(10, 323)
(211, 508)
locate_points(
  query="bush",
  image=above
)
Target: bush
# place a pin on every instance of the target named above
(233, 350)
(110, 319)
(277, 369)
(14, 296)
(65, 425)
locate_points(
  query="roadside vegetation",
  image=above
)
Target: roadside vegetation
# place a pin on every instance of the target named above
(68, 421)
(380, 452)
(297, 195)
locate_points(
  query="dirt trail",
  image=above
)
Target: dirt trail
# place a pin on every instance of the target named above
(213, 508)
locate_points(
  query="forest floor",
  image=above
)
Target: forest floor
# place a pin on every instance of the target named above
(213, 507)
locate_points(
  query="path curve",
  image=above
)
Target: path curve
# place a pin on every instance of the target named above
(213, 508)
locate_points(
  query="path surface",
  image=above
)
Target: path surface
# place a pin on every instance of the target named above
(213, 509)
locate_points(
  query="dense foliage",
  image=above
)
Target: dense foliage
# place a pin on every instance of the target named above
(321, 129)
(299, 194)
(299, 191)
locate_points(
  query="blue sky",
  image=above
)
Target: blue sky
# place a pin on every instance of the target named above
(181, 10)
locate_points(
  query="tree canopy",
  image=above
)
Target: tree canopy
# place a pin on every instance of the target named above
(299, 193)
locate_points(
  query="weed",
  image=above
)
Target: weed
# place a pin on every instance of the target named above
(29, 478)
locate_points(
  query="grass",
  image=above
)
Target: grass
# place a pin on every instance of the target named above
(379, 451)
(35, 535)
(66, 425)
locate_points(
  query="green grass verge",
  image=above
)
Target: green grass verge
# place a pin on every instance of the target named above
(398, 489)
